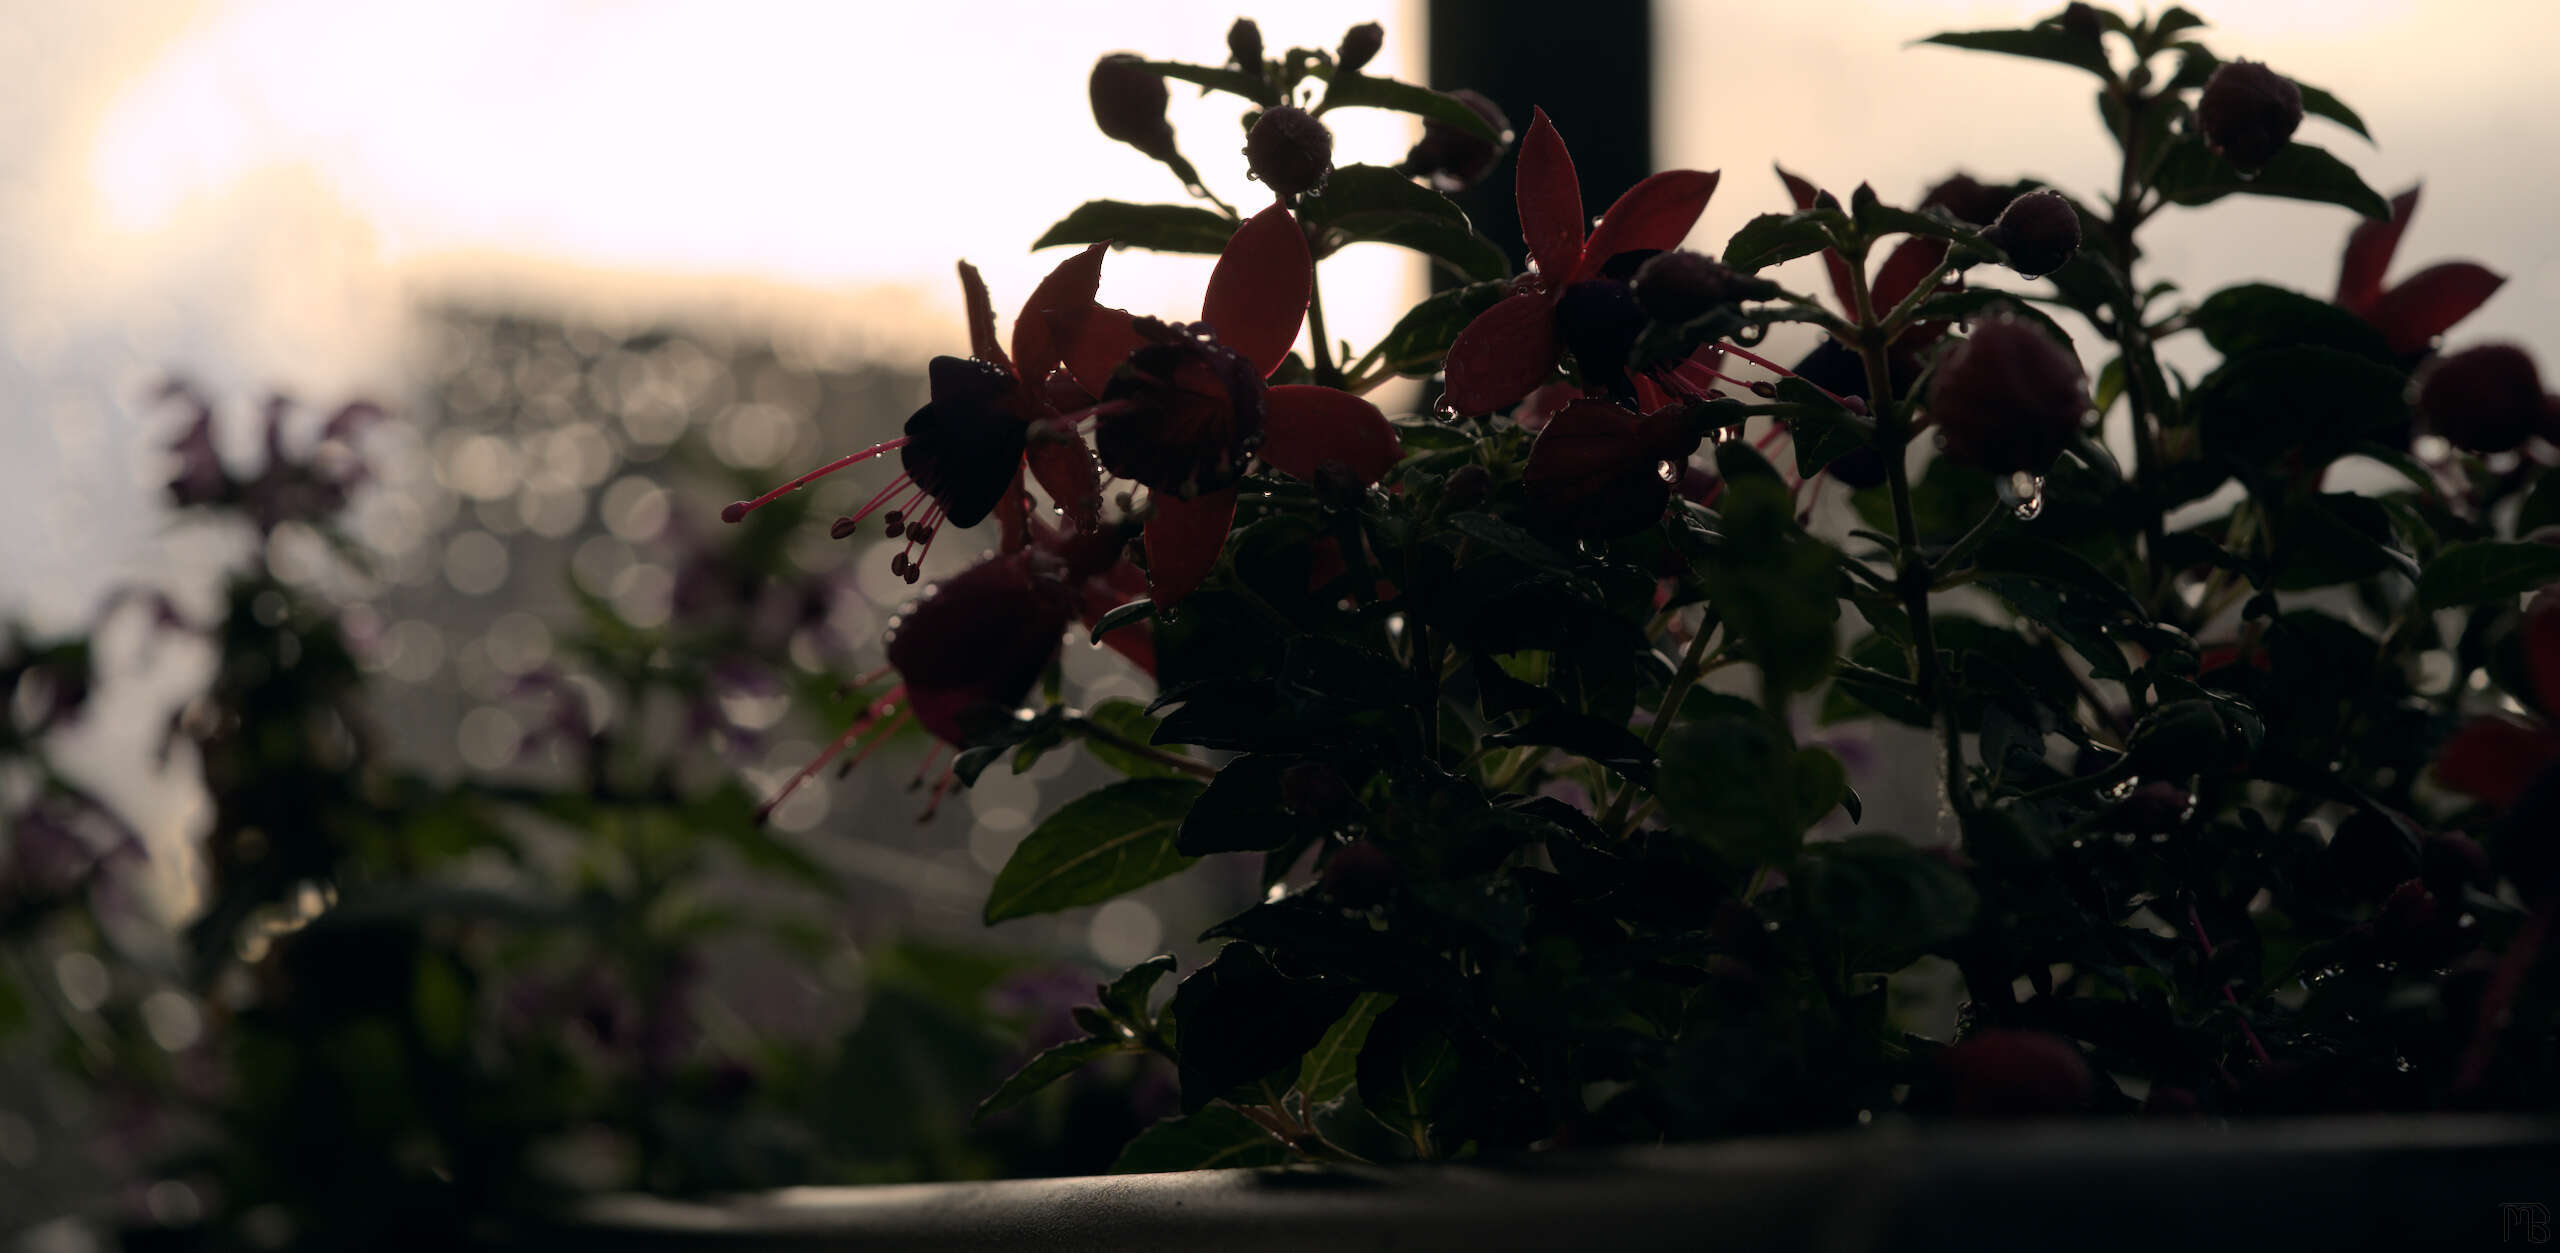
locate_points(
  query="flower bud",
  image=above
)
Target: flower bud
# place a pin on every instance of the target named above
(1968, 199)
(1359, 875)
(1678, 286)
(1359, 47)
(2248, 113)
(1451, 159)
(1289, 150)
(2006, 1073)
(2083, 22)
(1466, 487)
(2484, 399)
(2039, 231)
(1244, 45)
(1314, 789)
(970, 652)
(2008, 398)
(1128, 104)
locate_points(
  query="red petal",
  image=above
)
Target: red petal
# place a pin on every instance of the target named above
(1656, 213)
(1912, 262)
(1067, 293)
(2427, 304)
(1304, 427)
(1258, 294)
(1804, 194)
(2542, 648)
(1586, 440)
(2496, 759)
(2368, 254)
(1183, 542)
(1059, 459)
(982, 318)
(1503, 355)
(1094, 344)
(1550, 201)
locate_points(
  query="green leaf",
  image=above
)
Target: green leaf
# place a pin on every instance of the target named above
(2487, 570)
(1885, 901)
(1216, 1138)
(1421, 338)
(1238, 1019)
(1771, 238)
(2171, 22)
(1241, 812)
(1406, 1065)
(1731, 780)
(2319, 103)
(2039, 43)
(1822, 430)
(2190, 174)
(1374, 204)
(2305, 405)
(1155, 227)
(1125, 997)
(1364, 91)
(1100, 845)
(1253, 87)
(1119, 616)
(2261, 315)
(1130, 721)
(1875, 218)
(1977, 303)
(1333, 1065)
(1049, 1067)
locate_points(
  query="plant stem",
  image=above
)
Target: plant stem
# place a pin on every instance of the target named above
(1175, 761)
(2133, 345)
(1692, 666)
(1912, 577)
(1327, 373)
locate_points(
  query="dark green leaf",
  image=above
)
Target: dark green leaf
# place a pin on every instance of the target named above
(1368, 203)
(1049, 1067)
(1732, 780)
(1976, 303)
(1216, 1138)
(1598, 739)
(2319, 103)
(1125, 997)
(2487, 570)
(1771, 238)
(1119, 616)
(1241, 812)
(1876, 219)
(1253, 87)
(2304, 406)
(1364, 91)
(2041, 43)
(2190, 174)
(1237, 1020)
(1822, 431)
(1155, 227)
(1333, 1065)
(1100, 845)
(1886, 901)
(2261, 315)
(1407, 1063)
(1130, 721)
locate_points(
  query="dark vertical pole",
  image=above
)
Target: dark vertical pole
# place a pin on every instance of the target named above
(1588, 63)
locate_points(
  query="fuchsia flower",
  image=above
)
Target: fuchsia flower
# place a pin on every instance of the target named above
(1915, 260)
(2412, 312)
(1182, 407)
(2496, 757)
(989, 419)
(1511, 348)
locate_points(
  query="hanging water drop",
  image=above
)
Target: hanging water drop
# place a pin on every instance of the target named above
(1443, 410)
(2024, 492)
(2123, 789)
(1729, 434)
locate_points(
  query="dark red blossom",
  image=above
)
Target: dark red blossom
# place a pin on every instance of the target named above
(992, 416)
(970, 651)
(1511, 348)
(2008, 399)
(1600, 470)
(2496, 757)
(310, 488)
(2412, 312)
(2248, 113)
(2005, 1073)
(2484, 399)
(1177, 407)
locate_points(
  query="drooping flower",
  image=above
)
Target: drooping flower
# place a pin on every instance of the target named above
(2007, 399)
(990, 418)
(2412, 312)
(2496, 757)
(309, 489)
(1600, 470)
(2484, 399)
(1182, 406)
(1511, 348)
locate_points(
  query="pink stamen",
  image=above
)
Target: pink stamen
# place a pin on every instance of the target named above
(740, 509)
(941, 788)
(861, 724)
(1783, 372)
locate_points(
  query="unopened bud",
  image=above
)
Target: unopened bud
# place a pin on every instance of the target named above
(2039, 231)
(1678, 286)
(2484, 399)
(1466, 487)
(1128, 104)
(1359, 875)
(2008, 398)
(1244, 45)
(1359, 47)
(2248, 113)
(1289, 150)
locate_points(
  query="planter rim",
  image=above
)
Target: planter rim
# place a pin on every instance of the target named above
(2393, 1181)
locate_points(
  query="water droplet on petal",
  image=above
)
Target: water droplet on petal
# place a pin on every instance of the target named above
(2024, 492)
